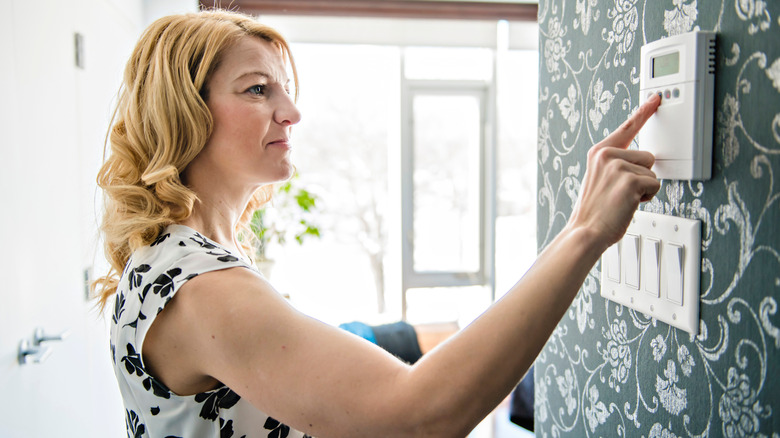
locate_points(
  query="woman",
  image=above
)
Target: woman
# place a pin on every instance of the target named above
(204, 346)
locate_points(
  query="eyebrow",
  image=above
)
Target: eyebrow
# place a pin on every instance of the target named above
(263, 74)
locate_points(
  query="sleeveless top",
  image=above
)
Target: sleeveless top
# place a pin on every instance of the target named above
(150, 280)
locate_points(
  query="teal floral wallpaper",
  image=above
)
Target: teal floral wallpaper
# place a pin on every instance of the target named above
(607, 370)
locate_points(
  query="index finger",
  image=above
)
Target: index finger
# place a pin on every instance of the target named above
(622, 136)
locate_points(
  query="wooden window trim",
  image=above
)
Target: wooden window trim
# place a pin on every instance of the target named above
(424, 9)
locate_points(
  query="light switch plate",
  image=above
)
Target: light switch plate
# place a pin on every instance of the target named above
(668, 252)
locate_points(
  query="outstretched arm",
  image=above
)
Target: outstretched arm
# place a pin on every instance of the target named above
(329, 383)
(503, 343)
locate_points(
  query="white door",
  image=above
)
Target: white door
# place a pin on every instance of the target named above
(53, 115)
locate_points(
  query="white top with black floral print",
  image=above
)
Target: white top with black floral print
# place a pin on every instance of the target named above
(150, 280)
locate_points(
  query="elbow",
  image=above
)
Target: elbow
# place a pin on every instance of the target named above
(409, 405)
(418, 411)
(439, 426)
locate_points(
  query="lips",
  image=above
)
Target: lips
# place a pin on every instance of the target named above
(282, 142)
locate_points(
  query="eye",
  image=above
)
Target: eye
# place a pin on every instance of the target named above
(257, 90)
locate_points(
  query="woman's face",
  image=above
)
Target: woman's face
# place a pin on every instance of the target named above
(249, 99)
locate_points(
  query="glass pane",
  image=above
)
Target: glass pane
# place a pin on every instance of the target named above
(446, 183)
(452, 63)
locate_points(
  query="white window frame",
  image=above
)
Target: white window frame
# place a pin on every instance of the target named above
(485, 275)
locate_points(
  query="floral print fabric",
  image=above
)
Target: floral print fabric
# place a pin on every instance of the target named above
(150, 280)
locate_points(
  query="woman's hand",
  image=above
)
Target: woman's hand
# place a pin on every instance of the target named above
(616, 180)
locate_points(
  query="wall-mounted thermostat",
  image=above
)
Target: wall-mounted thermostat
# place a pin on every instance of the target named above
(681, 69)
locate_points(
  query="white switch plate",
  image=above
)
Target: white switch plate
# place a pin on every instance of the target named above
(669, 260)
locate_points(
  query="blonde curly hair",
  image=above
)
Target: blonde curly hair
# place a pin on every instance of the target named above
(160, 124)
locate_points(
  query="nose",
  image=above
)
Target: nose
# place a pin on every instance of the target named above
(287, 112)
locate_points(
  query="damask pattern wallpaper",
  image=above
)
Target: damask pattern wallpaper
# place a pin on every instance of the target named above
(608, 371)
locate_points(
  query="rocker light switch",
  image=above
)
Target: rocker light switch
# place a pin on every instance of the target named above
(651, 251)
(660, 258)
(612, 262)
(631, 260)
(673, 268)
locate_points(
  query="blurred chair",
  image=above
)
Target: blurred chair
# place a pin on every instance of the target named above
(398, 338)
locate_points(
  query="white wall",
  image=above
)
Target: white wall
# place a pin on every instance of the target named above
(53, 120)
(154, 9)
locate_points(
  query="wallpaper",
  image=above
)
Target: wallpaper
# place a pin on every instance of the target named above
(608, 371)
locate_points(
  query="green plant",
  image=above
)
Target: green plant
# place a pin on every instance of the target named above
(292, 214)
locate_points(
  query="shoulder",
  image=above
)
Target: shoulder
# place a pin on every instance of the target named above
(223, 286)
(227, 299)
(157, 272)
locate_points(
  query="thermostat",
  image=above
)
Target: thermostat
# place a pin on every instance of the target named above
(681, 69)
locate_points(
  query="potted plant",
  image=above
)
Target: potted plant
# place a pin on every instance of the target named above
(291, 214)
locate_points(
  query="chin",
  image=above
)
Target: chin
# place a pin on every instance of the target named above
(284, 174)
(289, 174)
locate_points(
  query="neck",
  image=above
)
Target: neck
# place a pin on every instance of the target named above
(216, 214)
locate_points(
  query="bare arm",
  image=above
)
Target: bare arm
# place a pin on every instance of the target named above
(328, 383)
(503, 343)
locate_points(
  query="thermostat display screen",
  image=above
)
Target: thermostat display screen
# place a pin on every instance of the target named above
(666, 64)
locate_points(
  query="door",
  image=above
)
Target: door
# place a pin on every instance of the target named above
(53, 115)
